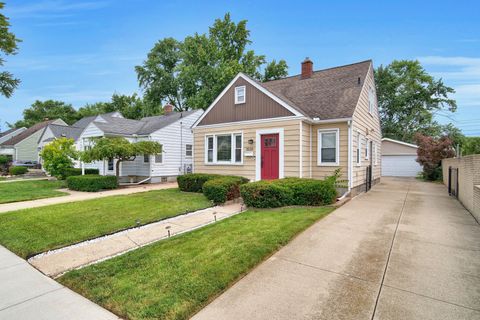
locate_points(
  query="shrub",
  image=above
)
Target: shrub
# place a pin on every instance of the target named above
(68, 172)
(193, 182)
(15, 171)
(58, 155)
(289, 191)
(92, 183)
(223, 188)
(265, 194)
(3, 160)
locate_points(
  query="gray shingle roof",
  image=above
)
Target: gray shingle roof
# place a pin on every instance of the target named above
(4, 133)
(155, 123)
(27, 133)
(328, 94)
(65, 131)
(84, 122)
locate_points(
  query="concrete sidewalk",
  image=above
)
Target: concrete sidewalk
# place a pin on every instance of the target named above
(404, 250)
(56, 262)
(27, 294)
(80, 196)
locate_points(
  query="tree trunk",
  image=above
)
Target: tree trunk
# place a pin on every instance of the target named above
(117, 169)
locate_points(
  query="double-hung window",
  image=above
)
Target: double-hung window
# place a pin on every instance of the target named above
(159, 157)
(224, 148)
(188, 150)
(367, 149)
(146, 158)
(359, 148)
(375, 154)
(240, 94)
(110, 164)
(328, 147)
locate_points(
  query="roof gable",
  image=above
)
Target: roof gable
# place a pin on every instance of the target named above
(260, 104)
(27, 133)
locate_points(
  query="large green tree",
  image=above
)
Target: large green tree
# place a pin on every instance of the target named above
(131, 107)
(49, 109)
(408, 99)
(191, 73)
(8, 46)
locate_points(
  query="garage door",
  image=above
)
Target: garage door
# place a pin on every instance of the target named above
(400, 166)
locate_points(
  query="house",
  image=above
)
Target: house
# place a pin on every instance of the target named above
(171, 130)
(306, 125)
(399, 159)
(24, 146)
(7, 135)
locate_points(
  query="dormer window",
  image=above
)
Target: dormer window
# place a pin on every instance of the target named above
(240, 94)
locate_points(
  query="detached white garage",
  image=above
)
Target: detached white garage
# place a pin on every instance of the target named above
(399, 159)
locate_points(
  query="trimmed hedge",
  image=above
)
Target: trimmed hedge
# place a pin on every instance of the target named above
(221, 189)
(78, 172)
(193, 182)
(15, 171)
(92, 183)
(289, 192)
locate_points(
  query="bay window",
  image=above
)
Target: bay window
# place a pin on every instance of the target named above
(224, 148)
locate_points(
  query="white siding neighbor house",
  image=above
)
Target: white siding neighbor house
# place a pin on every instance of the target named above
(172, 130)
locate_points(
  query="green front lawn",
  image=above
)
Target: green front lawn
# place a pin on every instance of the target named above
(31, 231)
(30, 190)
(175, 278)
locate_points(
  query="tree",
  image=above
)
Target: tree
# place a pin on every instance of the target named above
(58, 155)
(408, 98)
(471, 145)
(49, 109)
(119, 149)
(430, 153)
(8, 46)
(131, 107)
(190, 74)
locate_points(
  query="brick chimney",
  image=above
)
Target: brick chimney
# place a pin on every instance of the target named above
(307, 68)
(167, 109)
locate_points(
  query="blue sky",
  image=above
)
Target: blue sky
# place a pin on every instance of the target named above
(84, 51)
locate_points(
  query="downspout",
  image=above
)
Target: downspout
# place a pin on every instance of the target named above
(350, 162)
(181, 147)
(301, 150)
(311, 150)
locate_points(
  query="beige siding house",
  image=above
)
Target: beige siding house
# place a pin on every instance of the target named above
(306, 125)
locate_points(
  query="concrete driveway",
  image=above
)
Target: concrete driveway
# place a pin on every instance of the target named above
(404, 250)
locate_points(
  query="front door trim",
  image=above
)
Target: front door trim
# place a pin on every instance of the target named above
(258, 152)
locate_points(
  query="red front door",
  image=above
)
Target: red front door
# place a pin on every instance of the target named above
(269, 160)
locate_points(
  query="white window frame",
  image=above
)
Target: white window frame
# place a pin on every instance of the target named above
(358, 159)
(371, 101)
(237, 89)
(233, 148)
(113, 165)
(375, 154)
(146, 157)
(191, 150)
(337, 147)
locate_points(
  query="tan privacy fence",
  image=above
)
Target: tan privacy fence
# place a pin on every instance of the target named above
(462, 177)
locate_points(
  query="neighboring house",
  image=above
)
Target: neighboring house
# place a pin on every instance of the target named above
(171, 130)
(301, 126)
(24, 146)
(7, 135)
(399, 159)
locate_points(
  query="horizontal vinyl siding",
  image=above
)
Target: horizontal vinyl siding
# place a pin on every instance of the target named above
(307, 168)
(174, 158)
(321, 172)
(247, 169)
(364, 122)
(27, 148)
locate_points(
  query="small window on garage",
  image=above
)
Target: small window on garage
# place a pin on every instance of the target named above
(240, 94)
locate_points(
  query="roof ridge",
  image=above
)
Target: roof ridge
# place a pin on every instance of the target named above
(321, 70)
